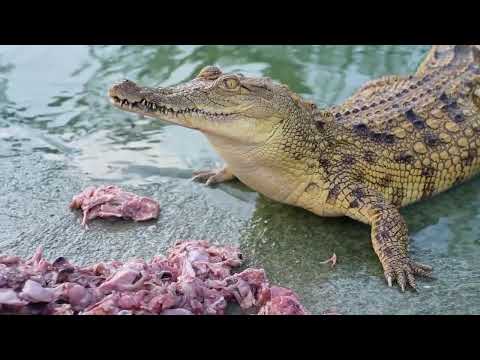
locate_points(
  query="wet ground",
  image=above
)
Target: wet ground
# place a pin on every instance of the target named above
(58, 134)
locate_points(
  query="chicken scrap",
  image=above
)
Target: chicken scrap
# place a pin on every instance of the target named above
(112, 201)
(195, 278)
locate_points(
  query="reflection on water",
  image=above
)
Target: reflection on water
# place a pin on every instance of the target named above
(53, 104)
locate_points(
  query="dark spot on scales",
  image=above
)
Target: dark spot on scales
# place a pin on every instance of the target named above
(472, 155)
(325, 164)
(452, 105)
(361, 129)
(428, 171)
(358, 193)
(404, 157)
(348, 160)
(383, 236)
(354, 204)
(385, 181)
(444, 98)
(416, 120)
(382, 138)
(320, 125)
(376, 137)
(451, 108)
(458, 117)
(389, 138)
(333, 193)
(432, 139)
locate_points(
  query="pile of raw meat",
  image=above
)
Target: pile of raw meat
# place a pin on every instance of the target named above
(194, 278)
(112, 201)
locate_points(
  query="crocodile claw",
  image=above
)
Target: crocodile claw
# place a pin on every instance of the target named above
(404, 272)
(207, 176)
(213, 176)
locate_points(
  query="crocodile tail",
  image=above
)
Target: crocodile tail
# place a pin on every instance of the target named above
(449, 55)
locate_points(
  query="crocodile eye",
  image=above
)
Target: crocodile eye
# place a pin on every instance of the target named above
(231, 83)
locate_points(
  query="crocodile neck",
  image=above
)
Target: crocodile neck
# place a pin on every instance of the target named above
(280, 168)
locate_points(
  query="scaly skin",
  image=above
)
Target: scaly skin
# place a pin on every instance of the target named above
(396, 141)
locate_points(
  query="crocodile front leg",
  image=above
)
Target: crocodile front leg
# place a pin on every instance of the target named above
(214, 176)
(390, 242)
(389, 234)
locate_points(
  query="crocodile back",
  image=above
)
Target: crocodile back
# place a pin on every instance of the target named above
(413, 137)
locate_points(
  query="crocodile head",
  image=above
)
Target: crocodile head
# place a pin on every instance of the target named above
(232, 106)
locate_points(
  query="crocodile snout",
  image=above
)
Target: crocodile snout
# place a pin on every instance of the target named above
(125, 89)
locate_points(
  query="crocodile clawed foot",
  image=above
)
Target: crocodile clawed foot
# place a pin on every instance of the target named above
(214, 176)
(404, 272)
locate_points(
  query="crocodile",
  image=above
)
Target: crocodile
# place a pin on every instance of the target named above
(396, 141)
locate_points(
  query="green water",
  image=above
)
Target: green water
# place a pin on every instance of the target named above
(58, 134)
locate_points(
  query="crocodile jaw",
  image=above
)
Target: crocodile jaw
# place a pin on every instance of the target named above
(149, 102)
(129, 97)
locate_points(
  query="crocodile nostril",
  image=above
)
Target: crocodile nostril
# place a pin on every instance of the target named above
(122, 88)
(125, 83)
